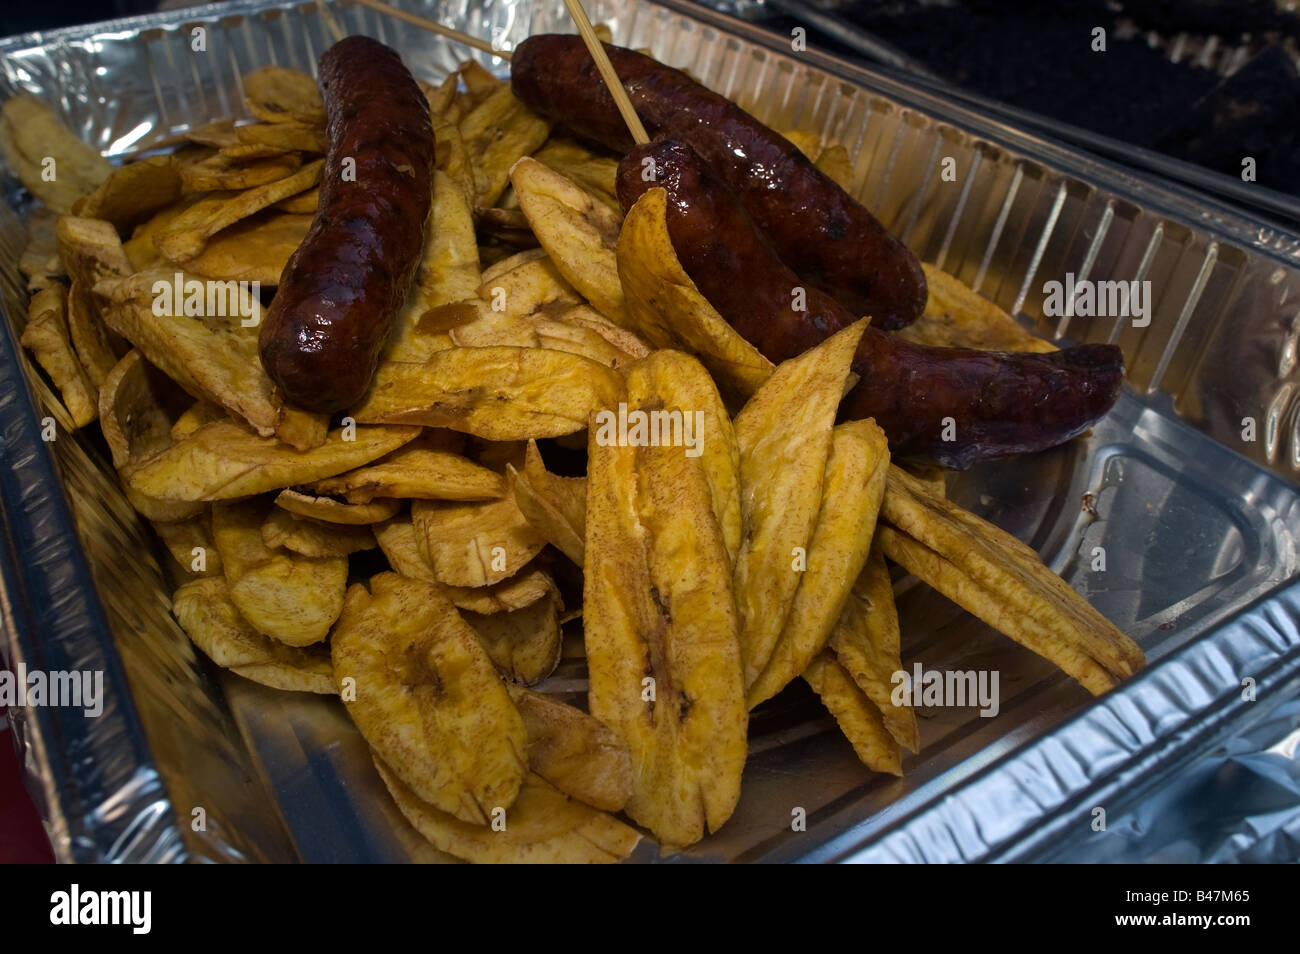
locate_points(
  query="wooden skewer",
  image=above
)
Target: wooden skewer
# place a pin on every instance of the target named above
(438, 28)
(327, 17)
(607, 73)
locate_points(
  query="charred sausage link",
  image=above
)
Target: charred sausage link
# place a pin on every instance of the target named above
(343, 287)
(816, 228)
(999, 403)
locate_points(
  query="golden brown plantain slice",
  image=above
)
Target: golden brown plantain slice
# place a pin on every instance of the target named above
(544, 826)
(573, 751)
(577, 229)
(223, 460)
(185, 236)
(292, 136)
(595, 174)
(133, 192)
(497, 393)
(673, 380)
(254, 250)
(291, 598)
(524, 643)
(423, 693)
(219, 173)
(46, 337)
(866, 643)
(314, 538)
(665, 308)
(857, 717)
(211, 620)
(54, 165)
(474, 544)
(556, 507)
(497, 132)
(661, 635)
(211, 357)
(955, 316)
(136, 427)
(785, 435)
(996, 577)
(96, 347)
(852, 487)
(276, 94)
(191, 545)
(334, 511)
(417, 471)
(993, 608)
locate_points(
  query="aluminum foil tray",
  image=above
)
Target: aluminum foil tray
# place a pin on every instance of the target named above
(1198, 525)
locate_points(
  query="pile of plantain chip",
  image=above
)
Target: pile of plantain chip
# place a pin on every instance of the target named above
(423, 555)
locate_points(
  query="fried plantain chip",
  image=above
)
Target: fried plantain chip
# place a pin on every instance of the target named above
(539, 331)
(304, 203)
(423, 693)
(955, 316)
(40, 260)
(858, 719)
(133, 192)
(218, 134)
(544, 826)
(254, 250)
(219, 173)
(499, 393)
(244, 151)
(556, 507)
(302, 430)
(191, 545)
(289, 597)
(665, 308)
(95, 345)
(474, 544)
(835, 162)
(785, 436)
(275, 94)
(852, 487)
(497, 132)
(46, 337)
(195, 416)
(212, 357)
(206, 613)
(417, 471)
(291, 137)
(186, 235)
(91, 250)
(578, 231)
(866, 643)
(532, 286)
(525, 588)
(595, 174)
(335, 511)
(661, 634)
(524, 643)
(224, 460)
(672, 380)
(53, 164)
(994, 576)
(136, 427)
(574, 752)
(314, 538)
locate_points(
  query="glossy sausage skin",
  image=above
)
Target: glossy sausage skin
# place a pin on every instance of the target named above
(342, 289)
(817, 228)
(1000, 403)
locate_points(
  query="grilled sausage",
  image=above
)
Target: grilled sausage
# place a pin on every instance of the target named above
(817, 228)
(999, 403)
(343, 287)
